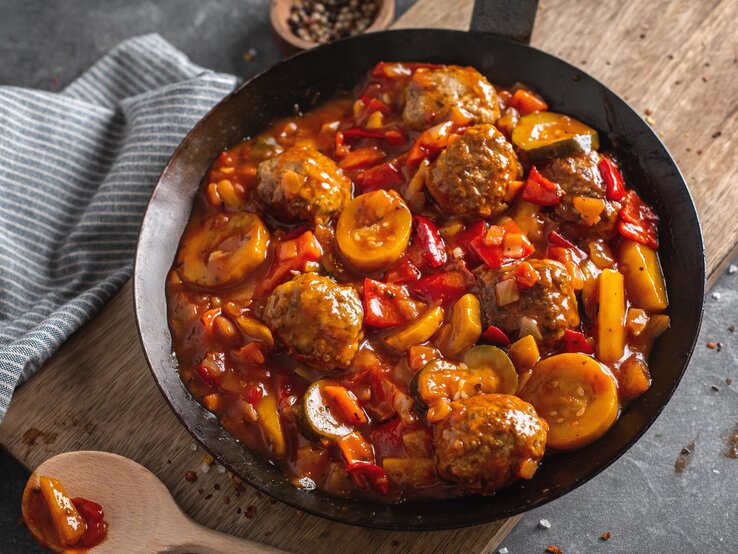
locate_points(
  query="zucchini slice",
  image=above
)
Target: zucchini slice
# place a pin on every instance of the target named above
(545, 135)
(315, 418)
(486, 370)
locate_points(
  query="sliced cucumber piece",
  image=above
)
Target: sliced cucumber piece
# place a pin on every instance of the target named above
(545, 135)
(315, 418)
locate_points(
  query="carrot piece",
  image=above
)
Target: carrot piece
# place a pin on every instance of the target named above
(69, 524)
(344, 405)
(355, 448)
(527, 102)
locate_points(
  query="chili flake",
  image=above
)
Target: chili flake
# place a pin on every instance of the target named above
(606, 536)
(554, 549)
(191, 476)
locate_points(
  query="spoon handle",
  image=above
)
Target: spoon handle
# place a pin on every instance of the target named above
(201, 540)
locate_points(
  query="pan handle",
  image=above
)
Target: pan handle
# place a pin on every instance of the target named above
(511, 19)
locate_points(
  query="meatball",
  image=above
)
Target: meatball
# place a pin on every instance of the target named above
(432, 93)
(301, 184)
(470, 178)
(317, 320)
(489, 441)
(579, 176)
(551, 302)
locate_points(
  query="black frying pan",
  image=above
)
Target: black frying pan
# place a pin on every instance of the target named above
(314, 76)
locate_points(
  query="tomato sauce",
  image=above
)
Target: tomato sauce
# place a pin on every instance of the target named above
(419, 272)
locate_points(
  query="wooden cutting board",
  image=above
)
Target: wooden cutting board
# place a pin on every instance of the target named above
(675, 61)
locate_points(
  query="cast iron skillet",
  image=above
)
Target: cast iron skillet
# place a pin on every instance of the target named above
(314, 76)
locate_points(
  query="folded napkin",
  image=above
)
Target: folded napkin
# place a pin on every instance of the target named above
(77, 169)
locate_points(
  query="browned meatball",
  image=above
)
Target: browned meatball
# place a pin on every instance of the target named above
(550, 303)
(579, 176)
(469, 179)
(317, 320)
(432, 93)
(489, 441)
(301, 184)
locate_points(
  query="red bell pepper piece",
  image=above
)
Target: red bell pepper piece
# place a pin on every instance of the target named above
(429, 143)
(388, 436)
(614, 182)
(290, 255)
(463, 240)
(558, 240)
(444, 286)
(375, 105)
(402, 272)
(94, 516)
(252, 394)
(574, 341)
(207, 376)
(381, 304)
(526, 276)
(495, 336)
(638, 221)
(379, 176)
(501, 244)
(526, 101)
(374, 475)
(431, 243)
(541, 191)
(393, 136)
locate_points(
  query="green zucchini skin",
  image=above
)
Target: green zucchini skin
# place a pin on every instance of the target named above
(541, 136)
(315, 420)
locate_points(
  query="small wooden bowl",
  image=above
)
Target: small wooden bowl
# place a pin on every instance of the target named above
(279, 13)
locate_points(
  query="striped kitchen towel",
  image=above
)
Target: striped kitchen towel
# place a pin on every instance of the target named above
(77, 169)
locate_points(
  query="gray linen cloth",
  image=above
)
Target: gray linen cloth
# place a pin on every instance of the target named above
(77, 169)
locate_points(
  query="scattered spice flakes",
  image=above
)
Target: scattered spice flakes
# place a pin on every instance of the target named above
(268, 533)
(711, 345)
(705, 78)
(716, 134)
(226, 499)
(554, 549)
(728, 381)
(650, 120)
(250, 512)
(238, 510)
(732, 442)
(648, 111)
(249, 55)
(731, 328)
(395, 543)
(715, 388)
(200, 491)
(191, 476)
(670, 56)
(216, 486)
(208, 496)
(684, 457)
(605, 536)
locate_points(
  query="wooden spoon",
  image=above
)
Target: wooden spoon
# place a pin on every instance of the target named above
(142, 515)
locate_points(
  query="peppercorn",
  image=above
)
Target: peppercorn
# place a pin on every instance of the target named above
(323, 21)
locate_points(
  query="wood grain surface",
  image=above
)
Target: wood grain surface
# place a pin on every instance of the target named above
(675, 61)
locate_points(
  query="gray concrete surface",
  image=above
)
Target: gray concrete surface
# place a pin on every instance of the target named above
(640, 499)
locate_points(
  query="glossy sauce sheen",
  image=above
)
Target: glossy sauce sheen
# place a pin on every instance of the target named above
(241, 376)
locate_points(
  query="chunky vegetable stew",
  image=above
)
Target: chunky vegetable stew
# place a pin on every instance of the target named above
(417, 290)
(60, 522)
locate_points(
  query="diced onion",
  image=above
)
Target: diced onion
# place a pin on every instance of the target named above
(529, 326)
(507, 292)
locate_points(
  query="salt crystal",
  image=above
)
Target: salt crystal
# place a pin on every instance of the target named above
(193, 447)
(716, 295)
(205, 468)
(732, 268)
(220, 468)
(503, 550)
(544, 524)
(716, 471)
